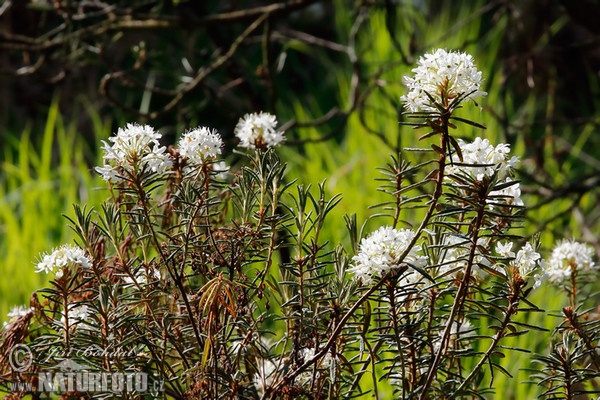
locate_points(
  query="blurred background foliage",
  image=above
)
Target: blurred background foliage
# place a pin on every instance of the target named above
(72, 72)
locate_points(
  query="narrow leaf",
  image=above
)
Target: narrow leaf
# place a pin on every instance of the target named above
(466, 121)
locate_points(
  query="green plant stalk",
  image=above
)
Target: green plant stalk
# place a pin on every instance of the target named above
(566, 364)
(444, 147)
(513, 307)
(164, 259)
(394, 315)
(571, 316)
(457, 305)
(398, 177)
(372, 358)
(276, 193)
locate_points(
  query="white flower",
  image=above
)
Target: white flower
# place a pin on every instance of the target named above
(527, 259)
(77, 314)
(62, 257)
(220, 169)
(443, 75)
(257, 130)
(567, 257)
(200, 145)
(510, 195)
(480, 159)
(134, 148)
(15, 313)
(379, 253)
(456, 254)
(459, 332)
(505, 249)
(540, 277)
(141, 276)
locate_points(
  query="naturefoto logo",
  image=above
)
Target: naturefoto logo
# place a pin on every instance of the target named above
(70, 376)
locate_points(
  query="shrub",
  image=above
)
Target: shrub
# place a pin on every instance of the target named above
(215, 282)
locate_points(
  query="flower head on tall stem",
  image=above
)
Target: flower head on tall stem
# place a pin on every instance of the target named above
(526, 261)
(482, 159)
(133, 149)
(258, 130)
(567, 259)
(380, 253)
(200, 145)
(480, 162)
(63, 257)
(440, 79)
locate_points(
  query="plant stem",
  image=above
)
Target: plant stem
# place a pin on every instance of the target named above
(336, 332)
(395, 329)
(165, 260)
(512, 309)
(457, 305)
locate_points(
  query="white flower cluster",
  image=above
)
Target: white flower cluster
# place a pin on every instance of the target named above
(456, 255)
(380, 252)
(258, 130)
(568, 257)
(137, 148)
(62, 257)
(200, 145)
(460, 332)
(444, 75)
(134, 148)
(509, 195)
(481, 159)
(77, 314)
(142, 275)
(15, 313)
(526, 261)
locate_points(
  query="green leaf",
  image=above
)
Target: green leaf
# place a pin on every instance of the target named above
(366, 318)
(466, 121)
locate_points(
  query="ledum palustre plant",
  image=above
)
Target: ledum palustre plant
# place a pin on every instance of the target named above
(217, 279)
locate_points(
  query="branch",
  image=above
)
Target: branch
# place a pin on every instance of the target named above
(192, 84)
(126, 21)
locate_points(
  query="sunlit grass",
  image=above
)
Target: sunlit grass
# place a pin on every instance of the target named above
(38, 184)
